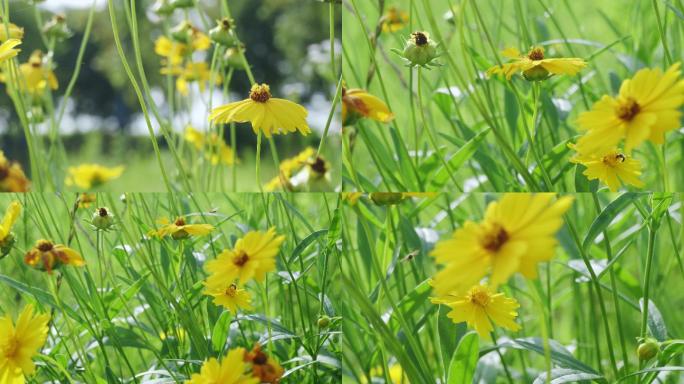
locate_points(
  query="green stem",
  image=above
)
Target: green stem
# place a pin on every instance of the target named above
(661, 30)
(647, 280)
(258, 161)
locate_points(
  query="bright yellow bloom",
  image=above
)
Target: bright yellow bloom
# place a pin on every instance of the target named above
(11, 216)
(395, 372)
(179, 229)
(289, 167)
(7, 50)
(252, 257)
(37, 76)
(18, 344)
(173, 51)
(267, 114)
(611, 167)
(85, 200)
(192, 72)
(230, 296)
(87, 176)
(534, 66)
(357, 103)
(517, 232)
(216, 150)
(394, 20)
(647, 107)
(47, 256)
(264, 367)
(15, 31)
(231, 370)
(12, 177)
(479, 307)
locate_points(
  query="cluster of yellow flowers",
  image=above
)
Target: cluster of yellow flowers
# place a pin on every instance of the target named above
(212, 145)
(240, 366)
(517, 233)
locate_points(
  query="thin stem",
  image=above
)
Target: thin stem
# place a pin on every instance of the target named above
(258, 162)
(647, 280)
(661, 30)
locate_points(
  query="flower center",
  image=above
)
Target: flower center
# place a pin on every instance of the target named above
(260, 358)
(179, 222)
(4, 172)
(494, 238)
(318, 166)
(613, 159)
(536, 53)
(240, 259)
(420, 38)
(44, 245)
(231, 290)
(11, 348)
(480, 298)
(102, 212)
(260, 93)
(628, 109)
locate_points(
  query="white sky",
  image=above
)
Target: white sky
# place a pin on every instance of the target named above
(62, 5)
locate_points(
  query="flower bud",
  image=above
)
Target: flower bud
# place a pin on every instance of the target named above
(6, 245)
(182, 32)
(386, 198)
(163, 7)
(57, 28)
(537, 73)
(323, 322)
(420, 50)
(233, 57)
(223, 33)
(102, 220)
(648, 349)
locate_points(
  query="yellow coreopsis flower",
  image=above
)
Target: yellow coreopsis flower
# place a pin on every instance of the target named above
(216, 150)
(358, 103)
(15, 31)
(7, 50)
(394, 20)
(480, 307)
(85, 200)
(231, 370)
(12, 177)
(647, 107)
(264, 367)
(534, 66)
(87, 176)
(267, 114)
(230, 296)
(289, 167)
(192, 72)
(517, 232)
(179, 229)
(171, 50)
(19, 343)
(37, 76)
(251, 257)
(6, 235)
(611, 167)
(47, 256)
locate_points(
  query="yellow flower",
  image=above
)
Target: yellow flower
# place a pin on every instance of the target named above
(18, 344)
(394, 20)
(15, 31)
(229, 296)
(231, 370)
(267, 114)
(46, 256)
(480, 307)
(395, 372)
(612, 167)
(517, 232)
(87, 176)
(357, 103)
(36, 75)
(12, 177)
(7, 50)
(192, 72)
(11, 216)
(173, 51)
(264, 367)
(645, 109)
(179, 229)
(534, 66)
(289, 167)
(252, 257)
(217, 151)
(85, 200)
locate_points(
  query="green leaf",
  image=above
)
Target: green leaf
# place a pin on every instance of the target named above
(559, 354)
(124, 337)
(607, 215)
(219, 335)
(655, 322)
(305, 243)
(461, 156)
(464, 360)
(564, 375)
(42, 296)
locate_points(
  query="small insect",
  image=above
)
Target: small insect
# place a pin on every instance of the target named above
(411, 255)
(620, 157)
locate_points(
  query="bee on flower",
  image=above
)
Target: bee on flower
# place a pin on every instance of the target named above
(12, 177)
(535, 66)
(232, 369)
(180, 229)
(47, 256)
(267, 114)
(613, 167)
(88, 176)
(229, 295)
(394, 20)
(517, 233)
(20, 342)
(358, 103)
(420, 51)
(7, 238)
(251, 258)
(480, 307)
(647, 106)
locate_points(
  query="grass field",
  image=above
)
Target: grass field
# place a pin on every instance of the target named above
(457, 128)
